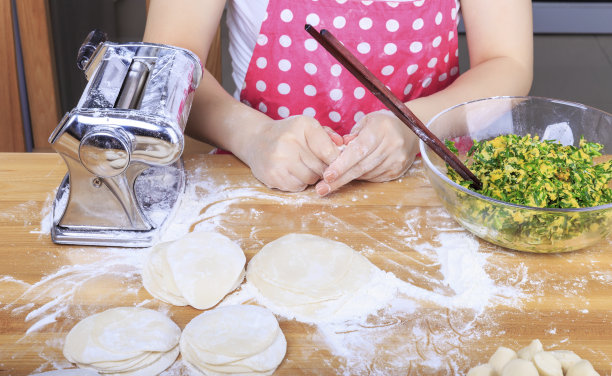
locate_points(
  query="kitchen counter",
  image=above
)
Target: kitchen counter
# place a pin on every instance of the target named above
(450, 301)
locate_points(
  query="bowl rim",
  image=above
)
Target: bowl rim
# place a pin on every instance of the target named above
(422, 149)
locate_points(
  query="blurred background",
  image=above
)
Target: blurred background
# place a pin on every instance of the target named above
(39, 40)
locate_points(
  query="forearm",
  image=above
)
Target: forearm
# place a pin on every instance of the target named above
(494, 77)
(499, 36)
(220, 120)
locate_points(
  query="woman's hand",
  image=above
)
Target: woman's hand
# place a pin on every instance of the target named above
(379, 148)
(292, 153)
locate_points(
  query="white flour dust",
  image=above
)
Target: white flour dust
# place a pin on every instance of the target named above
(57, 301)
(387, 309)
(427, 306)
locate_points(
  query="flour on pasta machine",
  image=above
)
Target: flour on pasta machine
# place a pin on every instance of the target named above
(123, 142)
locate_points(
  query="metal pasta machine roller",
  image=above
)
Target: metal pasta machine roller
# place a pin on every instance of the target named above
(123, 142)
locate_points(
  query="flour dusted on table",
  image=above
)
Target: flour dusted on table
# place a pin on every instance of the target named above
(126, 340)
(425, 311)
(198, 269)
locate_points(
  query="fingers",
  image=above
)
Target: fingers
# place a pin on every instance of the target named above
(359, 165)
(335, 137)
(390, 169)
(379, 148)
(361, 144)
(292, 153)
(323, 142)
(291, 178)
(354, 132)
(347, 138)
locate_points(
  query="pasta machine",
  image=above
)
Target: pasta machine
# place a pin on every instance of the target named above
(123, 143)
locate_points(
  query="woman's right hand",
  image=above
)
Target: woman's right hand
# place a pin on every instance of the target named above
(290, 154)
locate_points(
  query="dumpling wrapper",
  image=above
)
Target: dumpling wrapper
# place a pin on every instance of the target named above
(311, 275)
(158, 279)
(237, 338)
(206, 266)
(123, 338)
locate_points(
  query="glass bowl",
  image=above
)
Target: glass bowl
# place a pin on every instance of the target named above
(518, 227)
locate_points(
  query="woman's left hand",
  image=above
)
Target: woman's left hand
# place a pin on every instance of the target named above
(379, 148)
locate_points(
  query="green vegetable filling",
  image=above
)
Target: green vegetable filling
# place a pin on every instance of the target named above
(544, 174)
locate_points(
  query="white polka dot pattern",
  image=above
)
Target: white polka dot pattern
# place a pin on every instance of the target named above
(262, 40)
(365, 23)
(309, 111)
(284, 40)
(283, 112)
(390, 48)
(310, 90)
(418, 24)
(438, 19)
(407, 89)
(392, 25)
(363, 47)
(261, 62)
(359, 92)
(284, 88)
(310, 44)
(310, 68)
(387, 70)
(335, 94)
(336, 70)
(313, 19)
(416, 47)
(339, 22)
(411, 46)
(284, 65)
(286, 15)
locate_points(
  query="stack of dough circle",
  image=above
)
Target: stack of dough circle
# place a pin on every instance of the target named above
(198, 269)
(124, 341)
(236, 339)
(309, 275)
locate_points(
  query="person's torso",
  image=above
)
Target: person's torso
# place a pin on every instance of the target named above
(411, 46)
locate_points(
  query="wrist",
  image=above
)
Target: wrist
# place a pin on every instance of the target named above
(245, 140)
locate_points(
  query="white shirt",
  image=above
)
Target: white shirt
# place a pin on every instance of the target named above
(244, 19)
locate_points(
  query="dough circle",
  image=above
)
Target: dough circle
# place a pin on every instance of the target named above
(198, 269)
(244, 339)
(124, 340)
(311, 276)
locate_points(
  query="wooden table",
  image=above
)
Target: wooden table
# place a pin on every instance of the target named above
(564, 300)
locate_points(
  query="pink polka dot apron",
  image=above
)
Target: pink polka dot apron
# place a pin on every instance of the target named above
(410, 46)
